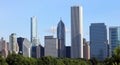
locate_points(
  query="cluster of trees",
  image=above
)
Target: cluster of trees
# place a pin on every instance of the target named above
(15, 59)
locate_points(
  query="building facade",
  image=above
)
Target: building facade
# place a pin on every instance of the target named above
(20, 44)
(3, 48)
(51, 46)
(13, 45)
(76, 32)
(86, 49)
(98, 41)
(26, 47)
(114, 38)
(61, 39)
(68, 51)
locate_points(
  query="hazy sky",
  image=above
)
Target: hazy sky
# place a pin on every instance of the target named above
(15, 16)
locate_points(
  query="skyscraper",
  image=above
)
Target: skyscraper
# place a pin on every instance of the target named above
(3, 48)
(98, 41)
(61, 39)
(13, 45)
(76, 32)
(24, 47)
(34, 39)
(51, 46)
(114, 38)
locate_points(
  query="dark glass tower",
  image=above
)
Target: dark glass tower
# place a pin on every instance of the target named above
(61, 39)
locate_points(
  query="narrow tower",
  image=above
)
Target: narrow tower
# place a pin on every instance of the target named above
(34, 39)
(76, 32)
(61, 39)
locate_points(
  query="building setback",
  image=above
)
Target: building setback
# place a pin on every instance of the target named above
(76, 32)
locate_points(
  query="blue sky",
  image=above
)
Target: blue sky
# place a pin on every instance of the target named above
(15, 15)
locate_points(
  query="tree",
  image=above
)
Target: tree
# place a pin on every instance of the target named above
(2, 61)
(14, 59)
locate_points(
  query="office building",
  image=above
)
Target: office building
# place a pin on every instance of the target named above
(68, 51)
(26, 48)
(34, 39)
(51, 46)
(20, 44)
(3, 48)
(86, 49)
(76, 32)
(98, 41)
(114, 38)
(61, 39)
(36, 51)
(13, 45)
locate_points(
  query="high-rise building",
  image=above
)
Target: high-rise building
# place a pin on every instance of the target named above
(98, 41)
(68, 51)
(13, 45)
(86, 49)
(114, 38)
(51, 46)
(26, 48)
(76, 32)
(20, 44)
(34, 39)
(61, 39)
(3, 48)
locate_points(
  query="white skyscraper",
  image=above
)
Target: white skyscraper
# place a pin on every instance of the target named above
(13, 45)
(76, 32)
(34, 38)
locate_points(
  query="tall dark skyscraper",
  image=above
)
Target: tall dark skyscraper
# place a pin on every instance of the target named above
(61, 39)
(98, 41)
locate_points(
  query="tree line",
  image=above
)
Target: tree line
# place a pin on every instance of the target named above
(16, 59)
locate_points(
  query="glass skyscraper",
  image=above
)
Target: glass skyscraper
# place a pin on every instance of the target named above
(114, 38)
(34, 39)
(98, 41)
(61, 39)
(76, 32)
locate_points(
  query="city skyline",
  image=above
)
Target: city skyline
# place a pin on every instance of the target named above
(15, 16)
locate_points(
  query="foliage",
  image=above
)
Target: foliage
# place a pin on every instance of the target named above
(15, 59)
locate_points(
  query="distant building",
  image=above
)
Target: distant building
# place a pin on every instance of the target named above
(68, 51)
(41, 51)
(20, 44)
(13, 45)
(51, 46)
(36, 51)
(24, 47)
(3, 48)
(76, 32)
(34, 38)
(61, 39)
(86, 49)
(114, 38)
(98, 41)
